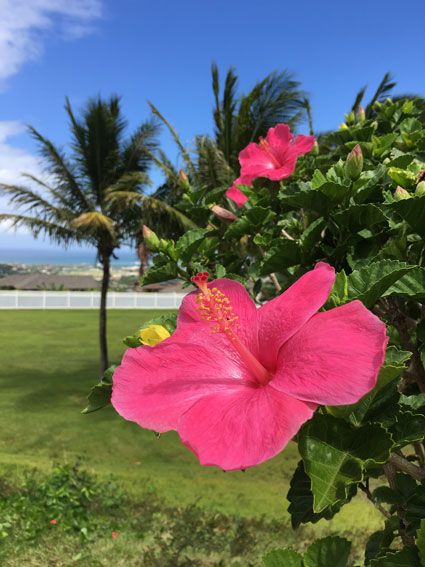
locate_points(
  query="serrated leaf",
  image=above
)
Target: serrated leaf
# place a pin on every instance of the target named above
(283, 558)
(413, 212)
(408, 428)
(300, 498)
(335, 454)
(189, 242)
(358, 217)
(370, 282)
(412, 285)
(415, 402)
(330, 551)
(280, 256)
(100, 395)
(312, 234)
(407, 557)
(160, 273)
(339, 292)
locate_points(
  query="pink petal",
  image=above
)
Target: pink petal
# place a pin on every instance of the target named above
(237, 196)
(242, 428)
(284, 315)
(243, 306)
(253, 159)
(282, 172)
(154, 386)
(279, 137)
(334, 358)
(302, 145)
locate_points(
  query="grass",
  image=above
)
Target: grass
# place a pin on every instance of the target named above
(49, 361)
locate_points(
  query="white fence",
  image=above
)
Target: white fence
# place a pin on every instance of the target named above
(87, 300)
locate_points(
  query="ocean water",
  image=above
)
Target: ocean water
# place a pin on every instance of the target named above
(62, 257)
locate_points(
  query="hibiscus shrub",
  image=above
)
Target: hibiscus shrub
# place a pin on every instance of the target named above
(353, 203)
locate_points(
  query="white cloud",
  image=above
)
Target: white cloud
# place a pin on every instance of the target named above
(13, 162)
(25, 24)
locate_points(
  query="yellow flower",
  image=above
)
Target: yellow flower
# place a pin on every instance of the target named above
(153, 335)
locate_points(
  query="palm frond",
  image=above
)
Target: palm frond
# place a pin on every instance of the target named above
(33, 202)
(358, 99)
(137, 151)
(213, 168)
(185, 154)
(61, 171)
(93, 223)
(55, 232)
(382, 92)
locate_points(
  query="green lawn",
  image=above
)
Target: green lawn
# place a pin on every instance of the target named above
(49, 360)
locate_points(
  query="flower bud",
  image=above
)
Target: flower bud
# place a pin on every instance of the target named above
(420, 188)
(343, 126)
(315, 150)
(184, 180)
(400, 194)
(354, 163)
(153, 335)
(150, 237)
(361, 115)
(223, 214)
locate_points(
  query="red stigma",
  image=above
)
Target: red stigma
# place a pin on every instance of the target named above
(200, 278)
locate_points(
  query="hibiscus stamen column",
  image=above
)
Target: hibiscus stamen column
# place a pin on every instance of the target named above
(214, 307)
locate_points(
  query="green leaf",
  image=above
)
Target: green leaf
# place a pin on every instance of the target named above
(413, 212)
(280, 256)
(412, 285)
(339, 292)
(407, 557)
(100, 395)
(300, 498)
(357, 217)
(312, 234)
(332, 551)
(420, 541)
(160, 273)
(335, 454)
(370, 282)
(415, 507)
(252, 220)
(408, 428)
(187, 244)
(334, 191)
(415, 402)
(283, 558)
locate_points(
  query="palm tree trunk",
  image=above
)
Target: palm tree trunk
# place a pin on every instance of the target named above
(143, 255)
(104, 360)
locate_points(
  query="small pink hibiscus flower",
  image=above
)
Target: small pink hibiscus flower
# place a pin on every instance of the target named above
(274, 158)
(238, 382)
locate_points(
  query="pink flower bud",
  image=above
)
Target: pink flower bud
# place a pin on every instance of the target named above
(223, 214)
(400, 194)
(354, 163)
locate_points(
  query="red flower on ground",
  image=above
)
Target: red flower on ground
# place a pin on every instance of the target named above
(238, 382)
(115, 534)
(53, 522)
(274, 157)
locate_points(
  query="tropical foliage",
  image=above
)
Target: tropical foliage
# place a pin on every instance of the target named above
(358, 202)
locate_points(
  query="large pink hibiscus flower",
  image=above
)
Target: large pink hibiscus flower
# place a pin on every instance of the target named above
(274, 158)
(238, 382)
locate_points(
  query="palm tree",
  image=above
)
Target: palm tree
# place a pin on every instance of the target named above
(93, 195)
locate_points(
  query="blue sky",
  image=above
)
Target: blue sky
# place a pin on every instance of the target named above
(162, 50)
